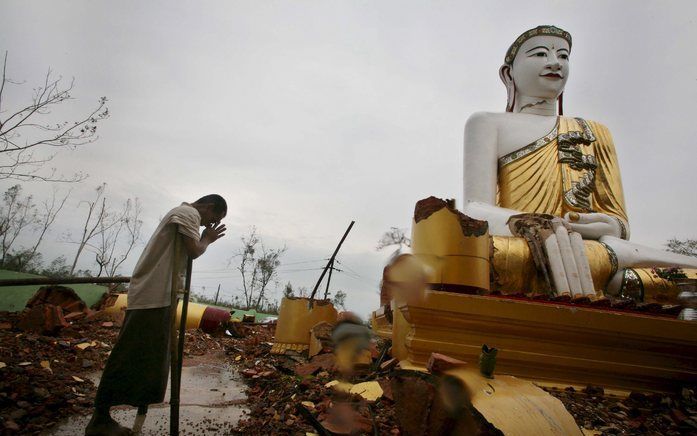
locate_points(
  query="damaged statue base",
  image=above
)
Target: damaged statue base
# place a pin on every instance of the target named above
(555, 341)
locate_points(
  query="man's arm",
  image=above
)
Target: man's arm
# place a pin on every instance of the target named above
(210, 234)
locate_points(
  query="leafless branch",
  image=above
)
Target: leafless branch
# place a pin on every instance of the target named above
(395, 236)
(24, 123)
(93, 226)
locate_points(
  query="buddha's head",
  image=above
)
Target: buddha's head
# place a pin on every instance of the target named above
(537, 65)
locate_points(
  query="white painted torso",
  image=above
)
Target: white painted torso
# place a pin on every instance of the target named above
(516, 130)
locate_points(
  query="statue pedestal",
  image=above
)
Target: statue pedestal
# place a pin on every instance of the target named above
(555, 342)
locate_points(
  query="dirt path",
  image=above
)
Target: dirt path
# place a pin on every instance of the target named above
(212, 401)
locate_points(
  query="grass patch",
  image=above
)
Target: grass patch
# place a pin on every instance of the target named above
(14, 298)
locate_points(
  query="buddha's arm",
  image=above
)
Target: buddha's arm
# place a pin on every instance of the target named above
(481, 167)
(631, 255)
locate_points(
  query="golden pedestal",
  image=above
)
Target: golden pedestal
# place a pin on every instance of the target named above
(381, 325)
(555, 342)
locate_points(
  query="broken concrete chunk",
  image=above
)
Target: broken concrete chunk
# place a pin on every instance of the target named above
(323, 330)
(438, 363)
(61, 296)
(85, 345)
(45, 319)
(413, 396)
(315, 345)
(370, 390)
(318, 363)
(343, 419)
(428, 206)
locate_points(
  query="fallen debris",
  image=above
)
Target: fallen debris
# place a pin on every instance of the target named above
(44, 379)
(51, 309)
(44, 319)
(438, 363)
(324, 362)
(637, 414)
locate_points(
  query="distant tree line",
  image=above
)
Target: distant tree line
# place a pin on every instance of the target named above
(106, 233)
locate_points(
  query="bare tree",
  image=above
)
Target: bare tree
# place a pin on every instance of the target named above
(44, 221)
(288, 291)
(29, 139)
(17, 213)
(124, 232)
(395, 236)
(96, 223)
(688, 247)
(339, 299)
(258, 267)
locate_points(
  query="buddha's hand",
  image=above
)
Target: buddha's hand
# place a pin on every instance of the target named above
(594, 225)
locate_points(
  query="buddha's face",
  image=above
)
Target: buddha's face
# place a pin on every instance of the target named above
(541, 67)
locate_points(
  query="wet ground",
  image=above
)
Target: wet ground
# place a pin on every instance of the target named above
(212, 401)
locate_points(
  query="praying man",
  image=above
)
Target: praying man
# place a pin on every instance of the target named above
(137, 370)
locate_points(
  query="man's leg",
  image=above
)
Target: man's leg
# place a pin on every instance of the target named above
(102, 424)
(137, 369)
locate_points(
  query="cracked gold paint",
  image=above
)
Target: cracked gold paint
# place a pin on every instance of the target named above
(515, 406)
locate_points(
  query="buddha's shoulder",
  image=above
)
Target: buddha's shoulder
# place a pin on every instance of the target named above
(486, 119)
(596, 126)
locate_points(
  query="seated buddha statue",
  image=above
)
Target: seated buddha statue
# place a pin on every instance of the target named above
(531, 159)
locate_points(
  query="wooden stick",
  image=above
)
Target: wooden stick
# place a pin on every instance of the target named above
(177, 367)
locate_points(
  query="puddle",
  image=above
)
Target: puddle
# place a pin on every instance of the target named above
(211, 401)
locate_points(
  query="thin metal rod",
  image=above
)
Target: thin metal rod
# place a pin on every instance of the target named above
(177, 373)
(331, 260)
(63, 281)
(329, 279)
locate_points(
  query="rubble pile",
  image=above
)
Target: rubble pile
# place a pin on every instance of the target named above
(44, 378)
(290, 394)
(637, 414)
(51, 309)
(46, 373)
(199, 343)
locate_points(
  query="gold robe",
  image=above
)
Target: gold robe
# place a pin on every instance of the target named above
(572, 168)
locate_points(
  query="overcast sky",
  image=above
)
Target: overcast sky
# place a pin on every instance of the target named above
(305, 115)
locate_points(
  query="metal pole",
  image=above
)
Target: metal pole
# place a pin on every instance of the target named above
(177, 367)
(217, 293)
(329, 279)
(331, 260)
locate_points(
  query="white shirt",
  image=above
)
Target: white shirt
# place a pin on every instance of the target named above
(151, 282)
